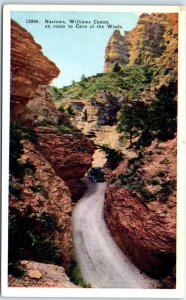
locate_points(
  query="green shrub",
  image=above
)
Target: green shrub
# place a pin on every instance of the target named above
(70, 110)
(32, 236)
(40, 189)
(116, 68)
(76, 277)
(113, 156)
(15, 269)
(166, 190)
(45, 122)
(56, 92)
(28, 133)
(61, 108)
(14, 188)
(66, 130)
(17, 133)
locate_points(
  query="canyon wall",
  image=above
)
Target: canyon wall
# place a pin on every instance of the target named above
(70, 154)
(95, 117)
(46, 163)
(154, 38)
(140, 209)
(140, 204)
(29, 68)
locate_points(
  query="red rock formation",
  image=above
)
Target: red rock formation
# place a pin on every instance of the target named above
(45, 192)
(70, 155)
(29, 68)
(146, 229)
(40, 201)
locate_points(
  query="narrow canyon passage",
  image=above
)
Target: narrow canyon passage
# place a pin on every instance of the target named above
(101, 261)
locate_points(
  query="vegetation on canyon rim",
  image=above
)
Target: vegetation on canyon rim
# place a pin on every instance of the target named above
(140, 118)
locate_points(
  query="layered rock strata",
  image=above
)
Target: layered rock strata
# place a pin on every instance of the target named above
(70, 155)
(153, 39)
(43, 193)
(29, 68)
(145, 229)
(40, 202)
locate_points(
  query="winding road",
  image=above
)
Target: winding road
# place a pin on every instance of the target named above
(101, 261)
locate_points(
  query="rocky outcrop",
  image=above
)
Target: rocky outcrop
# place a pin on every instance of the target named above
(96, 117)
(29, 68)
(153, 40)
(41, 275)
(40, 109)
(43, 206)
(92, 113)
(117, 51)
(70, 155)
(140, 209)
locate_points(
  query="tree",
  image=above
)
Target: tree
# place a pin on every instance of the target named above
(113, 156)
(83, 77)
(133, 119)
(163, 112)
(116, 68)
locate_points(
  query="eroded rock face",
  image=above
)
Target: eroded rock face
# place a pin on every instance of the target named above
(40, 109)
(153, 40)
(40, 202)
(117, 51)
(70, 155)
(141, 211)
(96, 118)
(41, 275)
(43, 199)
(93, 113)
(29, 68)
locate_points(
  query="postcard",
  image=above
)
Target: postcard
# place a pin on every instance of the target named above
(93, 151)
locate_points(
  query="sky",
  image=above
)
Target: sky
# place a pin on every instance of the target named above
(75, 51)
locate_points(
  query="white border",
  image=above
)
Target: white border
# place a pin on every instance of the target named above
(114, 293)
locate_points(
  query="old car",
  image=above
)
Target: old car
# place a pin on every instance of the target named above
(96, 174)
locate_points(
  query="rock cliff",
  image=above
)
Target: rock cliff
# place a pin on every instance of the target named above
(29, 68)
(140, 204)
(96, 117)
(48, 157)
(140, 209)
(41, 206)
(153, 39)
(117, 51)
(70, 155)
(69, 152)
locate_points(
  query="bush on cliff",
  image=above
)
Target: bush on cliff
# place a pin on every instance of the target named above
(56, 92)
(31, 236)
(18, 133)
(113, 156)
(67, 129)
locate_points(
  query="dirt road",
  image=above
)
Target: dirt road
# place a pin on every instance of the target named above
(101, 261)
